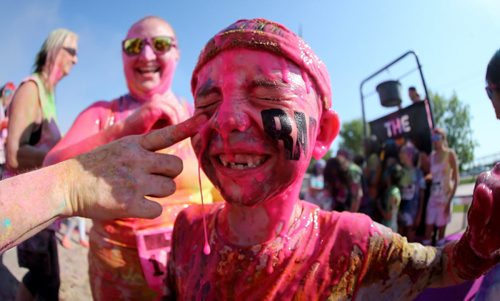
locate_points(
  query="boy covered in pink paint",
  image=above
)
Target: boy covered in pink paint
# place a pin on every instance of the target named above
(127, 256)
(268, 99)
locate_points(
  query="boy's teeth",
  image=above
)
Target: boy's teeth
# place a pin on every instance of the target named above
(240, 161)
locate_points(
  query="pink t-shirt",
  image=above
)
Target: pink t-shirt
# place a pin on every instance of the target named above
(324, 255)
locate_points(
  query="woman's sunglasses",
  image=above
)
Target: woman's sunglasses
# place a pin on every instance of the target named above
(160, 45)
(70, 50)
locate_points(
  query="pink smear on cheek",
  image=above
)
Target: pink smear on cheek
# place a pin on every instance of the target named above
(284, 70)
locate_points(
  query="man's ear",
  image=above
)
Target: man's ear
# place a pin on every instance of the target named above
(329, 127)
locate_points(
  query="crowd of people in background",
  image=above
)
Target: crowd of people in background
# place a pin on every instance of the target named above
(394, 183)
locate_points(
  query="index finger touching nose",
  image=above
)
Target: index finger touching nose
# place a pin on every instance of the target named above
(165, 137)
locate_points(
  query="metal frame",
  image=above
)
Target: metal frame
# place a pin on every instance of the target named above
(385, 68)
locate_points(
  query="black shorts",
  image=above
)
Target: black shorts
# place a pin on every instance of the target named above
(43, 282)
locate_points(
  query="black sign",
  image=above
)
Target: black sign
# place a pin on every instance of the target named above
(412, 123)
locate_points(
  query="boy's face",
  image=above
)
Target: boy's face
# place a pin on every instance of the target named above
(263, 117)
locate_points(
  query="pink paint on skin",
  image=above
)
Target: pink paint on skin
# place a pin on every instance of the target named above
(284, 71)
(233, 130)
(265, 243)
(149, 72)
(479, 247)
(306, 80)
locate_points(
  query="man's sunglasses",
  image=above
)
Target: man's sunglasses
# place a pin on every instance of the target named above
(160, 45)
(489, 90)
(71, 51)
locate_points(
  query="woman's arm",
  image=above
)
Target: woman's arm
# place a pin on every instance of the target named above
(85, 133)
(109, 182)
(25, 116)
(455, 177)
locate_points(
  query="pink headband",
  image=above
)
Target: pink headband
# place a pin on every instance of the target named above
(262, 34)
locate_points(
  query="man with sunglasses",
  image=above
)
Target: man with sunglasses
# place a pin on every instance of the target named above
(127, 257)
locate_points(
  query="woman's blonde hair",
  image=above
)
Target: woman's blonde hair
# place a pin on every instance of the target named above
(50, 47)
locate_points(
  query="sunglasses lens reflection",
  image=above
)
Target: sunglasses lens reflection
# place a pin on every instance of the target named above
(133, 46)
(162, 44)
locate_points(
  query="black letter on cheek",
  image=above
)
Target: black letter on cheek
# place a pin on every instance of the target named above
(312, 126)
(268, 120)
(300, 120)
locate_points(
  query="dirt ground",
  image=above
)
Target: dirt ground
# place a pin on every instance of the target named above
(73, 266)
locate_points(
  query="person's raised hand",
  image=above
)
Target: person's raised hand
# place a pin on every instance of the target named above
(479, 248)
(113, 180)
(483, 231)
(161, 111)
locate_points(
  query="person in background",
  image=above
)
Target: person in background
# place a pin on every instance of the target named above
(412, 186)
(389, 203)
(355, 180)
(445, 178)
(371, 175)
(490, 286)
(70, 226)
(32, 132)
(338, 184)
(132, 246)
(6, 93)
(413, 94)
(315, 190)
(493, 82)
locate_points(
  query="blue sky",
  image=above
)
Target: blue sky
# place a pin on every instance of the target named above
(454, 41)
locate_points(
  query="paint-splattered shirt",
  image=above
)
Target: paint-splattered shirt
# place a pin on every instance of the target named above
(324, 255)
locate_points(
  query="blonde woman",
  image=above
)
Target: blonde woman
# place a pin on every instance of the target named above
(444, 170)
(33, 131)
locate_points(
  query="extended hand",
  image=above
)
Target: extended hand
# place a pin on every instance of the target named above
(112, 180)
(483, 232)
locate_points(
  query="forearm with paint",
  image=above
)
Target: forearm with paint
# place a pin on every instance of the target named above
(30, 202)
(467, 263)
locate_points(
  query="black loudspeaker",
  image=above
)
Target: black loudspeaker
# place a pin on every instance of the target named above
(389, 93)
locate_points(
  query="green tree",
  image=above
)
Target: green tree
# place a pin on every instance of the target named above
(454, 117)
(351, 135)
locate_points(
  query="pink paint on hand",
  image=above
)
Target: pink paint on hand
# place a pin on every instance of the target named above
(479, 248)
